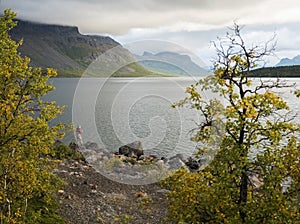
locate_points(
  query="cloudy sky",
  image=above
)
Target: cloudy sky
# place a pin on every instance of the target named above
(191, 24)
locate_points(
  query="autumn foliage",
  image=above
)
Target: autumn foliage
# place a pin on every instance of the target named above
(27, 184)
(254, 176)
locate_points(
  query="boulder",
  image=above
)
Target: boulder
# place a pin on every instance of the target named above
(133, 149)
(174, 163)
(192, 164)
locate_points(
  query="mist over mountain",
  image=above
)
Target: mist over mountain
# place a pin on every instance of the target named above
(171, 63)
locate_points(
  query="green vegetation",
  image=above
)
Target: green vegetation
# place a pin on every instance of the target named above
(78, 52)
(132, 70)
(164, 67)
(27, 184)
(124, 219)
(112, 164)
(136, 70)
(254, 176)
(62, 151)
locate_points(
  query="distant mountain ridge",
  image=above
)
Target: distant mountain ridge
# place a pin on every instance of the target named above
(70, 52)
(171, 63)
(289, 62)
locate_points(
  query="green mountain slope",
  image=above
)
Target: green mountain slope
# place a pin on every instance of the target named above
(71, 53)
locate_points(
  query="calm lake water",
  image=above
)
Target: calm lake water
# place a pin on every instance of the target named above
(117, 111)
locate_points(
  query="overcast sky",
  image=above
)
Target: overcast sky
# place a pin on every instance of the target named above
(191, 24)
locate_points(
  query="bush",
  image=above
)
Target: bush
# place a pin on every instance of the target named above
(62, 151)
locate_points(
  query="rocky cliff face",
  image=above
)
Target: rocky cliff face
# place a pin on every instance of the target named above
(62, 47)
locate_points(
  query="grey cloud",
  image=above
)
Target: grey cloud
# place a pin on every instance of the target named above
(199, 42)
(117, 17)
(129, 20)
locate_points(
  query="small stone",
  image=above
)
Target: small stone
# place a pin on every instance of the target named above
(93, 191)
(69, 196)
(85, 167)
(163, 191)
(70, 206)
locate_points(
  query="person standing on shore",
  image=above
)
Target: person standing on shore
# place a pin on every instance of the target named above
(78, 133)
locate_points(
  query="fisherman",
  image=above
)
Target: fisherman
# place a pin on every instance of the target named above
(79, 131)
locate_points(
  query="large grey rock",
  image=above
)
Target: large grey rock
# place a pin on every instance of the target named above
(192, 164)
(133, 149)
(175, 163)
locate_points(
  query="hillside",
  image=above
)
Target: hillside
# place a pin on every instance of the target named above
(282, 71)
(70, 53)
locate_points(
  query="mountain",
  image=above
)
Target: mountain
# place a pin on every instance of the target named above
(70, 52)
(289, 62)
(171, 63)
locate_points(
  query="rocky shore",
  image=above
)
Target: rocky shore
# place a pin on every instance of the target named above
(116, 187)
(130, 165)
(89, 197)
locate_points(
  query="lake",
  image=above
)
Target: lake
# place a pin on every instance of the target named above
(117, 111)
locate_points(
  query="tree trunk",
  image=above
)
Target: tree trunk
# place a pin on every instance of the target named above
(243, 194)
